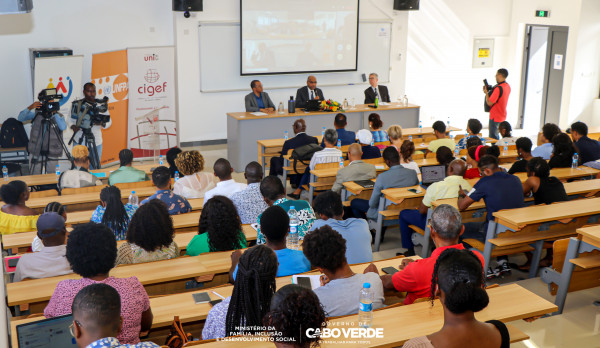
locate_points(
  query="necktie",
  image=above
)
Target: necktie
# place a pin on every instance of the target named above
(375, 90)
(312, 95)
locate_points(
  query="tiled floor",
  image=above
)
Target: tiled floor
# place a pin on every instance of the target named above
(578, 326)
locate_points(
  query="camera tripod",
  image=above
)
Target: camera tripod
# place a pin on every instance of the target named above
(40, 155)
(90, 142)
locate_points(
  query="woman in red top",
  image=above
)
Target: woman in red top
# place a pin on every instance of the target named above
(474, 153)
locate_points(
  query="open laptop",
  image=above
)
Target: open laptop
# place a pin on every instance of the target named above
(431, 174)
(53, 332)
(313, 105)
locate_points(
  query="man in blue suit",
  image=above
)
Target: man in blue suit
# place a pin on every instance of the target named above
(347, 137)
(300, 139)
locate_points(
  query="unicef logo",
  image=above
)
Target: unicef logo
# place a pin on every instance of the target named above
(151, 76)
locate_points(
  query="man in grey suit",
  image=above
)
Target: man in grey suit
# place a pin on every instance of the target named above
(258, 100)
(356, 170)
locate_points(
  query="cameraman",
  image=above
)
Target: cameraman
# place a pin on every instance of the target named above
(83, 120)
(53, 145)
(497, 100)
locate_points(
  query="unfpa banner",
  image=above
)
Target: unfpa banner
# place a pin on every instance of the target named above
(152, 87)
(109, 74)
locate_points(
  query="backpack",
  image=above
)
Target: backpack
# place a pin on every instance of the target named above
(12, 134)
(486, 107)
(304, 154)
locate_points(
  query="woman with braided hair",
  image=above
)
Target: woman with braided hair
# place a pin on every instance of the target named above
(459, 281)
(112, 213)
(251, 298)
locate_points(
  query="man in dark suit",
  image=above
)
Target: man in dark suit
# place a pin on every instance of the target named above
(347, 137)
(376, 90)
(308, 92)
(300, 139)
(258, 100)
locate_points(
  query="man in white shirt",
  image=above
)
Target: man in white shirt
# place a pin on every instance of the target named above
(51, 260)
(376, 91)
(329, 154)
(226, 186)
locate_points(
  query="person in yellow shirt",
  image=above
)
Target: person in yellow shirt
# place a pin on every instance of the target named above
(439, 130)
(15, 216)
(448, 188)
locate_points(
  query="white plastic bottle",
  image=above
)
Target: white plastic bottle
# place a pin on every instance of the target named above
(341, 162)
(575, 162)
(365, 307)
(160, 160)
(420, 126)
(505, 149)
(176, 176)
(339, 144)
(5, 173)
(345, 105)
(281, 109)
(285, 135)
(134, 200)
(57, 172)
(293, 242)
(410, 138)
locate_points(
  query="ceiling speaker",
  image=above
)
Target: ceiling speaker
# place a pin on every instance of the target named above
(406, 5)
(187, 5)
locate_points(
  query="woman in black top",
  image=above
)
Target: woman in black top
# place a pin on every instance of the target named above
(562, 154)
(524, 146)
(544, 188)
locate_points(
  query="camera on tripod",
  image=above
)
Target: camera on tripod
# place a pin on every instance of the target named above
(49, 106)
(96, 111)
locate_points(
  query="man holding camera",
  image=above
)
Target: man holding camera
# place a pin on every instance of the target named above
(90, 116)
(497, 100)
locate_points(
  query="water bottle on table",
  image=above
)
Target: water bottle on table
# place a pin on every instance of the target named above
(339, 144)
(57, 172)
(575, 161)
(176, 175)
(420, 126)
(293, 242)
(285, 135)
(5, 173)
(345, 105)
(456, 151)
(323, 132)
(134, 200)
(505, 149)
(281, 109)
(341, 162)
(160, 160)
(365, 307)
(410, 138)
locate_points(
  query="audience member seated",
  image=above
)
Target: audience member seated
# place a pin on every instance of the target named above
(395, 176)
(97, 319)
(219, 228)
(544, 148)
(365, 138)
(195, 183)
(493, 150)
(15, 216)
(473, 129)
(308, 92)
(252, 292)
(562, 152)
(439, 130)
(459, 283)
(340, 286)
(257, 100)
(300, 139)
(112, 213)
(275, 224)
(79, 176)
(588, 149)
(499, 191)
(346, 137)
(355, 170)
(171, 156)
(273, 193)
(149, 236)
(92, 252)
(505, 131)
(329, 209)
(161, 177)
(52, 207)
(50, 261)
(226, 185)
(330, 154)
(395, 135)
(293, 307)
(444, 156)
(474, 153)
(524, 146)
(414, 277)
(126, 172)
(376, 125)
(448, 188)
(406, 151)
(544, 188)
(249, 202)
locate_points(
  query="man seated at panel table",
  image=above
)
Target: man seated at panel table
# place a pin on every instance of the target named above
(347, 137)
(499, 191)
(439, 130)
(226, 185)
(356, 170)
(161, 178)
(414, 277)
(448, 188)
(308, 92)
(376, 90)
(545, 147)
(258, 100)
(365, 139)
(300, 139)
(588, 149)
(126, 172)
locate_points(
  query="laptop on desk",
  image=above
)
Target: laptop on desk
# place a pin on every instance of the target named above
(432, 174)
(53, 332)
(313, 105)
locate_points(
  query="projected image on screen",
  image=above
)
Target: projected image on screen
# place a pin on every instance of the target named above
(291, 36)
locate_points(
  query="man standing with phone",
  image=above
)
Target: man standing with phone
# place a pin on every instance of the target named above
(497, 98)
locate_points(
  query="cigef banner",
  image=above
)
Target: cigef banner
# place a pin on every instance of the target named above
(151, 86)
(109, 74)
(63, 73)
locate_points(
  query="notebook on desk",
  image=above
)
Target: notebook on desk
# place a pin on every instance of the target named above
(365, 183)
(432, 174)
(53, 332)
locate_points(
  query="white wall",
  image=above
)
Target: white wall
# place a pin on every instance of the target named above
(202, 116)
(87, 27)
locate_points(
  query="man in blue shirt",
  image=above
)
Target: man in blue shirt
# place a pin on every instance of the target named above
(347, 137)
(589, 149)
(330, 211)
(549, 130)
(161, 178)
(499, 191)
(258, 100)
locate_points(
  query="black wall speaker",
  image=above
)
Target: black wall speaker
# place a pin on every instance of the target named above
(187, 5)
(406, 5)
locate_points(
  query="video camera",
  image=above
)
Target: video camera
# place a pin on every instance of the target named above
(49, 106)
(96, 111)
